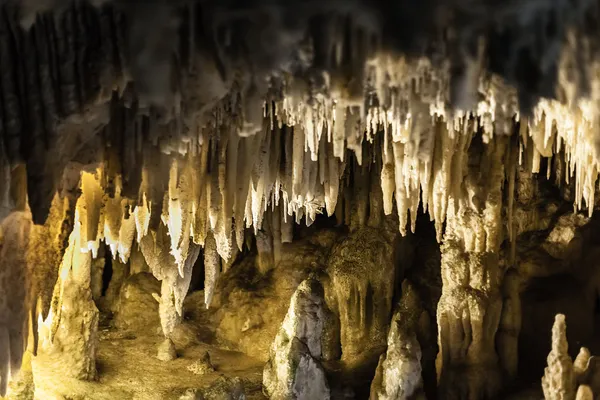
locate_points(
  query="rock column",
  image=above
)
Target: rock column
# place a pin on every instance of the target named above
(470, 307)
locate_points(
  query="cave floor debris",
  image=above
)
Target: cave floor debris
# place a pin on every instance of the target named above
(129, 370)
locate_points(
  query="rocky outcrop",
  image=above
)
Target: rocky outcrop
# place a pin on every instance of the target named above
(294, 370)
(137, 309)
(362, 270)
(202, 366)
(399, 372)
(249, 307)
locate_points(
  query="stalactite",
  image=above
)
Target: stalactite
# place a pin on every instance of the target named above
(212, 268)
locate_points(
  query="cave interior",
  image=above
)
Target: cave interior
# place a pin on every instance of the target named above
(299, 200)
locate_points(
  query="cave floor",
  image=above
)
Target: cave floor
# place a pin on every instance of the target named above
(128, 369)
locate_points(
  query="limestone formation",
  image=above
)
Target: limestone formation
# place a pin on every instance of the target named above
(470, 308)
(166, 351)
(294, 370)
(136, 308)
(559, 377)
(13, 239)
(249, 307)
(567, 379)
(399, 372)
(362, 270)
(584, 393)
(236, 148)
(73, 332)
(202, 366)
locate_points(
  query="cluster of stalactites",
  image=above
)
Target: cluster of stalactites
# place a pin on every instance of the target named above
(425, 141)
(225, 179)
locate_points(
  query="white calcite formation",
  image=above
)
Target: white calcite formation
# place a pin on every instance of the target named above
(399, 373)
(294, 370)
(559, 377)
(564, 378)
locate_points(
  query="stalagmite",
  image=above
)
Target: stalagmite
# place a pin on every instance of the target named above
(584, 393)
(559, 379)
(294, 370)
(156, 248)
(398, 374)
(567, 379)
(75, 316)
(166, 351)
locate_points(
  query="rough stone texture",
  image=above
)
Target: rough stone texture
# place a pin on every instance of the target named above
(293, 370)
(559, 381)
(580, 365)
(250, 307)
(470, 308)
(584, 392)
(202, 366)
(14, 235)
(559, 241)
(362, 270)
(221, 389)
(22, 386)
(399, 374)
(567, 379)
(166, 351)
(74, 324)
(76, 337)
(56, 87)
(137, 309)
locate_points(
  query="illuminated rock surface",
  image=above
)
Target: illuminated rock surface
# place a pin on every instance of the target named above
(294, 369)
(256, 180)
